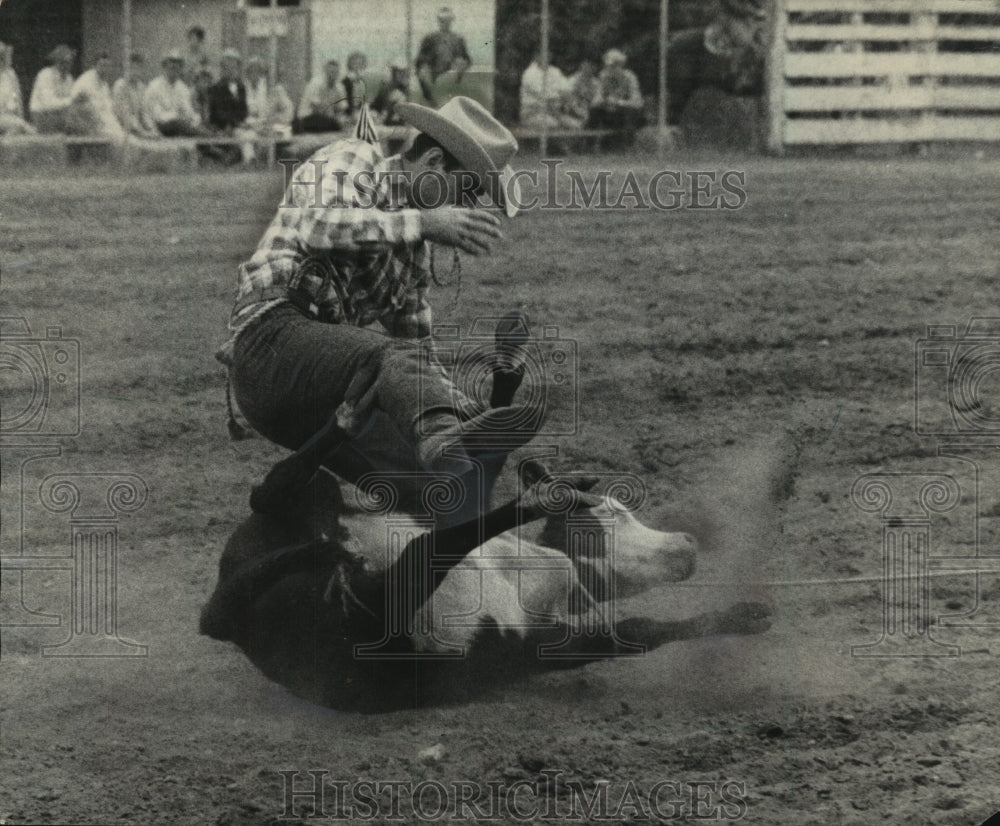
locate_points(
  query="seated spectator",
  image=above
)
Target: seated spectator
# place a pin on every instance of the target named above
(12, 120)
(269, 106)
(226, 105)
(127, 96)
(91, 111)
(195, 57)
(168, 101)
(270, 110)
(324, 102)
(548, 107)
(199, 95)
(583, 88)
(51, 93)
(227, 98)
(392, 92)
(618, 103)
(354, 83)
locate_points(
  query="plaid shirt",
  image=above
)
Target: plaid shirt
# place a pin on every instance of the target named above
(346, 252)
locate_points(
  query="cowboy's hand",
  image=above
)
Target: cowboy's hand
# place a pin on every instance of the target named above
(472, 231)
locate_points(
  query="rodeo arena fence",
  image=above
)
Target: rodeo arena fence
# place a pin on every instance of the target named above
(853, 72)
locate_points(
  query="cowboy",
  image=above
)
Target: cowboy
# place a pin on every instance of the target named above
(441, 51)
(350, 247)
(50, 95)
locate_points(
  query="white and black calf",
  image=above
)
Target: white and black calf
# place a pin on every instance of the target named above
(327, 602)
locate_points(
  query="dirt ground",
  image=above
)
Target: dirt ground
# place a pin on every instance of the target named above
(699, 333)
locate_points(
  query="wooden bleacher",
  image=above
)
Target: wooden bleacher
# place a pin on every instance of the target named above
(160, 155)
(187, 154)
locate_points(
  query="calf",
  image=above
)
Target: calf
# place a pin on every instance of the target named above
(371, 613)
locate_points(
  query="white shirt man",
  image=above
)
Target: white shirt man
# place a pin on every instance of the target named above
(545, 107)
(91, 110)
(168, 100)
(51, 92)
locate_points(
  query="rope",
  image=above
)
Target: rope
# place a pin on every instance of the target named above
(237, 432)
(454, 277)
(812, 583)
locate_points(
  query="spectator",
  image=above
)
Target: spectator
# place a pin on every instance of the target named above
(354, 83)
(12, 120)
(268, 105)
(583, 88)
(618, 104)
(225, 103)
(168, 101)
(441, 51)
(91, 110)
(270, 110)
(227, 99)
(127, 96)
(545, 98)
(392, 92)
(324, 102)
(199, 95)
(51, 93)
(195, 57)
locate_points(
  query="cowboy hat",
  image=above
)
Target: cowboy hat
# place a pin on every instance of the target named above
(479, 142)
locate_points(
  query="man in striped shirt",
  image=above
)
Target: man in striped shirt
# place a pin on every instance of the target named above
(348, 247)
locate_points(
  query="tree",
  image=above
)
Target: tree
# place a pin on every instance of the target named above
(585, 29)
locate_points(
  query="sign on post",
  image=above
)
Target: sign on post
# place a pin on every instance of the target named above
(265, 22)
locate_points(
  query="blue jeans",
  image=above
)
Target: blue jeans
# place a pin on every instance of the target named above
(291, 373)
